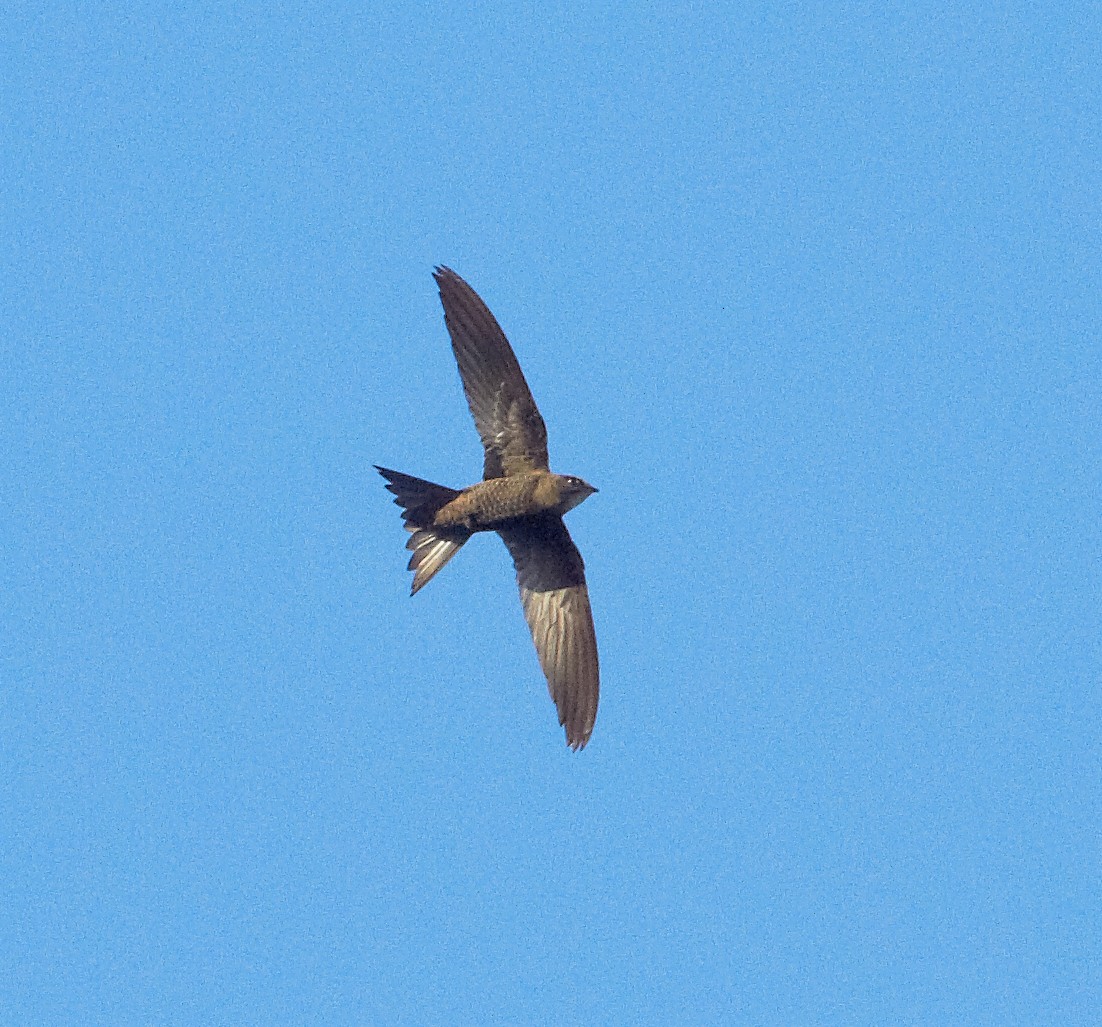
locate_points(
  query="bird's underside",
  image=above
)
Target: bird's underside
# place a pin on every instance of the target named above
(520, 499)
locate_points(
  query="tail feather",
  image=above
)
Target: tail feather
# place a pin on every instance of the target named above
(432, 547)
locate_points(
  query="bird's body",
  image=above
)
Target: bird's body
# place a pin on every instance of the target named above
(519, 498)
(493, 504)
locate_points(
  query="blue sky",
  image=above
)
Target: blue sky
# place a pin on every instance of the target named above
(812, 296)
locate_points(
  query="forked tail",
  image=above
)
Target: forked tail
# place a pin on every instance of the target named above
(432, 547)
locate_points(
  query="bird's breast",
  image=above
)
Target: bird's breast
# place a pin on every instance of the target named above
(490, 504)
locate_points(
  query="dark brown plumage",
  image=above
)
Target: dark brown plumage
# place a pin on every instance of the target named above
(519, 498)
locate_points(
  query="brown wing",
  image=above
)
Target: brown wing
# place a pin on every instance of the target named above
(551, 576)
(512, 430)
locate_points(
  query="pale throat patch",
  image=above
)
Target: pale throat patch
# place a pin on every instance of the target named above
(573, 500)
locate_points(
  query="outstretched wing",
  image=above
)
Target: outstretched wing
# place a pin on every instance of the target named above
(512, 430)
(551, 576)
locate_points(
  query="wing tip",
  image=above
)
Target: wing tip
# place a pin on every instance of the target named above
(579, 727)
(578, 743)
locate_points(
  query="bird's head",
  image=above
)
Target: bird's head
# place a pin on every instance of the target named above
(573, 491)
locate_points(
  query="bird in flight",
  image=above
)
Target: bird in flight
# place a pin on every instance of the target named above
(519, 498)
